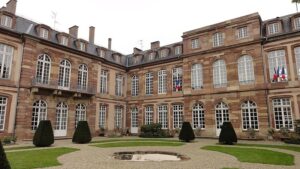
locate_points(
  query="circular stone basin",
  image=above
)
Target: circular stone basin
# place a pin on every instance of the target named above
(149, 156)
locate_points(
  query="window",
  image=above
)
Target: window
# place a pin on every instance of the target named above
(102, 53)
(218, 39)
(134, 117)
(44, 33)
(163, 53)
(283, 113)
(64, 74)
(162, 82)
(249, 115)
(80, 113)
(297, 23)
(102, 116)
(82, 46)
(222, 114)
(39, 112)
(149, 83)
(152, 56)
(134, 85)
(6, 21)
(6, 55)
(43, 69)
(149, 115)
(242, 32)
(177, 79)
(273, 28)
(245, 70)
(64, 41)
(103, 81)
(297, 58)
(198, 116)
(82, 77)
(219, 74)
(197, 76)
(277, 66)
(119, 85)
(163, 116)
(195, 43)
(118, 117)
(178, 50)
(177, 116)
(61, 116)
(3, 105)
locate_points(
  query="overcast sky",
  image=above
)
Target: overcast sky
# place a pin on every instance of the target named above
(129, 21)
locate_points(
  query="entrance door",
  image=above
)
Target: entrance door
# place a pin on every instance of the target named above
(222, 115)
(61, 120)
(134, 121)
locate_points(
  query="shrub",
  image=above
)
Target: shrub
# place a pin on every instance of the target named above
(153, 130)
(4, 164)
(43, 135)
(186, 133)
(82, 133)
(227, 135)
(297, 126)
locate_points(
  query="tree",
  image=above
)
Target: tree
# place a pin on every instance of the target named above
(186, 133)
(43, 135)
(227, 135)
(4, 164)
(82, 133)
(296, 2)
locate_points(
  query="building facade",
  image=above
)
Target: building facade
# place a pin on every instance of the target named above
(242, 70)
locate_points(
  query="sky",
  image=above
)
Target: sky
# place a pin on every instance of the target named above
(137, 23)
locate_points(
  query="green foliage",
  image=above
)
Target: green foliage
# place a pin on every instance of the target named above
(153, 130)
(297, 126)
(82, 133)
(284, 147)
(186, 133)
(43, 135)
(227, 135)
(4, 164)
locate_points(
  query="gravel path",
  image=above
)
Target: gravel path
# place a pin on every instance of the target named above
(90, 157)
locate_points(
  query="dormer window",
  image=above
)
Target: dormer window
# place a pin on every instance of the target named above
(82, 46)
(163, 53)
(297, 23)
(44, 33)
(178, 50)
(273, 28)
(195, 43)
(64, 40)
(152, 56)
(102, 53)
(6, 21)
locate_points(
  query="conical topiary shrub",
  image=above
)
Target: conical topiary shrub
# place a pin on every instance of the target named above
(227, 135)
(186, 133)
(43, 135)
(82, 133)
(4, 164)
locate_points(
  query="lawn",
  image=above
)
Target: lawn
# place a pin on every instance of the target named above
(19, 148)
(137, 143)
(254, 155)
(137, 139)
(29, 159)
(285, 147)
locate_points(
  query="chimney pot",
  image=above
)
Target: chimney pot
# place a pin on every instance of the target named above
(73, 31)
(109, 43)
(92, 35)
(155, 45)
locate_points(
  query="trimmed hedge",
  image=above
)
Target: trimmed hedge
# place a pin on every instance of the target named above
(186, 133)
(227, 135)
(153, 130)
(82, 133)
(4, 164)
(43, 136)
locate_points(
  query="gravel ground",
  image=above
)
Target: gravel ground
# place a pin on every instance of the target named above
(90, 157)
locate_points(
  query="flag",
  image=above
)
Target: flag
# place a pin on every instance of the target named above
(177, 85)
(275, 76)
(283, 76)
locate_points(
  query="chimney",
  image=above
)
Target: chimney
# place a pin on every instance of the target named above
(155, 45)
(109, 43)
(136, 51)
(92, 35)
(73, 31)
(11, 6)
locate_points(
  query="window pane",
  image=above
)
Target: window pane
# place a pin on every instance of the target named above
(6, 54)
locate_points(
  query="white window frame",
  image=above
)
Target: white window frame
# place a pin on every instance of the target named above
(152, 56)
(118, 117)
(64, 74)
(39, 112)
(198, 116)
(177, 116)
(222, 114)
(277, 60)
(297, 58)
(6, 57)
(3, 108)
(242, 32)
(297, 23)
(163, 53)
(82, 82)
(102, 116)
(149, 83)
(249, 115)
(149, 114)
(195, 43)
(44, 33)
(6, 21)
(162, 82)
(273, 28)
(61, 122)
(103, 81)
(134, 117)
(163, 116)
(177, 77)
(197, 76)
(80, 113)
(219, 74)
(178, 50)
(43, 69)
(134, 85)
(119, 85)
(102, 53)
(82, 46)
(246, 70)
(64, 41)
(283, 116)
(218, 39)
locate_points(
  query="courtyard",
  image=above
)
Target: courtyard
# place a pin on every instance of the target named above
(99, 154)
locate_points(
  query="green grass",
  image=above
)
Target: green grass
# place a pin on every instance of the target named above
(137, 144)
(253, 155)
(29, 159)
(137, 139)
(285, 147)
(19, 148)
(229, 168)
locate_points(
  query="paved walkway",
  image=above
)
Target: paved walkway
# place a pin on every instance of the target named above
(90, 157)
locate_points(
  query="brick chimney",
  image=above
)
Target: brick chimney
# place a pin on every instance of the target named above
(11, 6)
(109, 43)
(136, 51)
(73, 31)
(155, 45)
(92, 35)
